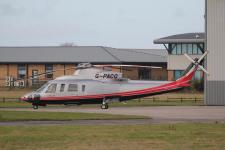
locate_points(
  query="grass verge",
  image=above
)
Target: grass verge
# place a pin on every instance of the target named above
(149, 137)
(59, 116)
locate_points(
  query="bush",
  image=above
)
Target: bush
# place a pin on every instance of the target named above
(198, 85)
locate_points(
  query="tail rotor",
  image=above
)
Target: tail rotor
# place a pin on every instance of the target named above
(197, 62)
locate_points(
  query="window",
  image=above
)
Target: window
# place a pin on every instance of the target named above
(197, 76)
(184, 48)
(48, 70)
(144, 74)
(83, 88)
(62, 87)
(21, 71)
(189, 48)
(178, 74)
(42, 88)
(192, 49)
(51, 88)
(179, 49)
(72, 88)
(199, 48)
(173, 47)
(195, 49)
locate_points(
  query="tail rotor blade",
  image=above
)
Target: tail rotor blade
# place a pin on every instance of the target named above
(189, 58)
(200, 59)
(203, 69)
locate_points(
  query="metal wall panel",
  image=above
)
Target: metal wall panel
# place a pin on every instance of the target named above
(215, 33)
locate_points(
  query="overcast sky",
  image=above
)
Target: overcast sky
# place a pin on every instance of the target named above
(114, 23)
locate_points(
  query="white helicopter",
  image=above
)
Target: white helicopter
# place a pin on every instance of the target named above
(92, 84)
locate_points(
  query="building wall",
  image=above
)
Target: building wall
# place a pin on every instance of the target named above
(39, 67)
(215, 34)
(60, 71)
(170, 75)
(13, 70)
(3, 71)
(3, 74)
(130, 73)
(30, 68)
(70, 71)
(159, 74)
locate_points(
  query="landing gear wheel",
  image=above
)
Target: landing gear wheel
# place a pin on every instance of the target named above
(104, 106)
(35, 106)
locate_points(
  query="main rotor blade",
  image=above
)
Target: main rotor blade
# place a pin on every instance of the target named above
(137, 66)
(206, 52)
(42, 74)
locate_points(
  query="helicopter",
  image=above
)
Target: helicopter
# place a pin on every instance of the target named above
(93, 84)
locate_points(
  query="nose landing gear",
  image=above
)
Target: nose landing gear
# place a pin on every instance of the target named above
(105, 104)
(35, 106)
(36, 101)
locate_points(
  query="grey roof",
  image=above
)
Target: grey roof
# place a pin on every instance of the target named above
(197, 37)
(77, 54)
(139, 55)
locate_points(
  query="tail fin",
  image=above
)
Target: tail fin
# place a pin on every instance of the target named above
(191, 69)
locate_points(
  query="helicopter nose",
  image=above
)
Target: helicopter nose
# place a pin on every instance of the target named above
(26, 97)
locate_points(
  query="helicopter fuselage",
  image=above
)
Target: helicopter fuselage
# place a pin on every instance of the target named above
(90, 91)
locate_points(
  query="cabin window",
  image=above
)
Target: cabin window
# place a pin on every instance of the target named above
(72, 88)
(51, 88)
(62, 87)
(83, 88)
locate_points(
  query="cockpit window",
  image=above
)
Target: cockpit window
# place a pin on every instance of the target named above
(72, 88)
(62, 87)
(42, 88)
(51, 88)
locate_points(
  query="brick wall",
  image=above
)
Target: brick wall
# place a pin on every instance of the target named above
(60, 71)
(3, 71)
(158, 74)
(71, 71)
(130, 73)
(13, 70)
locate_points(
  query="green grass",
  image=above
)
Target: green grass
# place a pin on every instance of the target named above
(30, 116)
(14, 93)
(114, 137)
(14, 104)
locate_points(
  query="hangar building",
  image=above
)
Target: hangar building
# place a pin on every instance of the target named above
(25, 62)
(215, 44)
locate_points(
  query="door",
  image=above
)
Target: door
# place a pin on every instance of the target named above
(35, 79)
